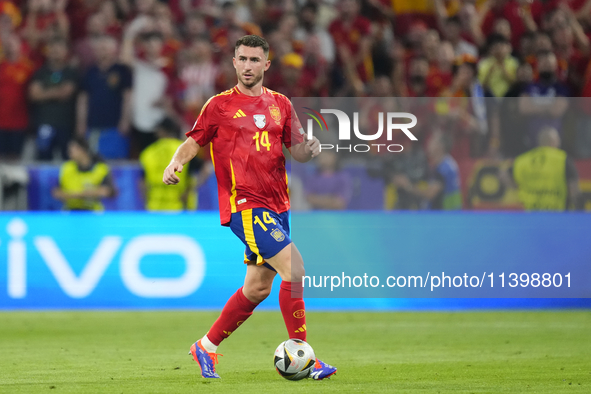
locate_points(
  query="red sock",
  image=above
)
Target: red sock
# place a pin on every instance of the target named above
(293, 309)
(235, 312)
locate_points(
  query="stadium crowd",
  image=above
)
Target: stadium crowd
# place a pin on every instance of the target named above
(112, 71)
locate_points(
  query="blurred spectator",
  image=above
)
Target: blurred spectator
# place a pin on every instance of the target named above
(84, 50)
(571, 45)
(330, 188)
(10, 19)
(526, 48)
(524, 76)
(497, 71)
(196, 78)
(149, 102)
(441, 71)
(154, 160)
(417, 78)
(45, 19)
(108, 10)
(353, 38)
(430, 46)
(84, 180)
(518, 17)
(502, 28)
(309, 30)
(546, 178)
(443, 187)
(164, 24)
(465, 115)
(15, 71)
(452, 31)
(195, 27)
(221, 33)
(104, 104)
(410, 164)
(544, 101)
(290, 82)
(513, 126)
(53, 94)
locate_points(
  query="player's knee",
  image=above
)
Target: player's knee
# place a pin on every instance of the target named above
(257, 294)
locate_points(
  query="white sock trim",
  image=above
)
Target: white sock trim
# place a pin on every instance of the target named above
(207, 345)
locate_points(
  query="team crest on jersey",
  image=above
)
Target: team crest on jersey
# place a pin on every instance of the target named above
(278, 235)
(275, 113)
(260, 121)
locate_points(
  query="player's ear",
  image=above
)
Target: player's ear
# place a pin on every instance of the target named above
(267, 65)
(234, 61)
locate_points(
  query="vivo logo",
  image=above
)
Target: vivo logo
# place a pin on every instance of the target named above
(132, 252)
(345, 127)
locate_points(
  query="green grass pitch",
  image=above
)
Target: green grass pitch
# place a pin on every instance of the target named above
(419, 352)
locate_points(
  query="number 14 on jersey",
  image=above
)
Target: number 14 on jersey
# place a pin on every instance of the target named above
(262, 139)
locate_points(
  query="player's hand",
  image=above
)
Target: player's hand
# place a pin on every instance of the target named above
(312, 147)
(170, 177)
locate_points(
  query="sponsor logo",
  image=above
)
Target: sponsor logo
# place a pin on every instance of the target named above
(239, 114)
(278, 235)
(301, 329)
(241, 201)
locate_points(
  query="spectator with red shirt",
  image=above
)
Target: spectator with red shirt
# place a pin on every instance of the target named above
(352, 35)
(44, 19)
(441, 72)
(15, 71)
(571, 45)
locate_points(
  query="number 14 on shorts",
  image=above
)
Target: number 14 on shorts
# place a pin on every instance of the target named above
(266, 218)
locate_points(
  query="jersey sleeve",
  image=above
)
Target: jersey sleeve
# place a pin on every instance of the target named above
(207, 123)
(293, 132)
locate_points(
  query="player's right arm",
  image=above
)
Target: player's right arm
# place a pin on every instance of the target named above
(184, 153)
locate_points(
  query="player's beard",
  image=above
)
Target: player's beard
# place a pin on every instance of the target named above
(256, 79)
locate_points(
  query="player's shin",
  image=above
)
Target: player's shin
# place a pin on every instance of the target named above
(293, 309)
(235, 312)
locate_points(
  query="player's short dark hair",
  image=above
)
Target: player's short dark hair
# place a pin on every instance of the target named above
(253, 41)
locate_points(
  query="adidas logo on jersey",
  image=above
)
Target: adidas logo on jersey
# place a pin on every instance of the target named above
(239, 114)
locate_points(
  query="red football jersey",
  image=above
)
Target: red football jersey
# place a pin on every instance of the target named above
(247, 135)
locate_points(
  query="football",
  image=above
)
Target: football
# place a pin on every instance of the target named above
(294, 359)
